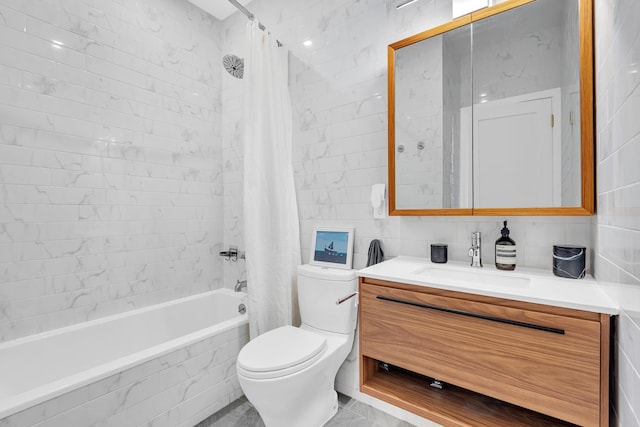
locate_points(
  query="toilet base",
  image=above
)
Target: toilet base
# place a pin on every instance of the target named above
(313, 408)
(294, 403)
(334, 408)
(305, 398)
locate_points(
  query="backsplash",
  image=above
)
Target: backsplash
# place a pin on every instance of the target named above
(618, 222)
(110, 156)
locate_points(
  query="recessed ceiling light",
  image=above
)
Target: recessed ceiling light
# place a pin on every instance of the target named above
(307, 43)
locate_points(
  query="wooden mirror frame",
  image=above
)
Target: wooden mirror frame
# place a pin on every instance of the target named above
(587, 132)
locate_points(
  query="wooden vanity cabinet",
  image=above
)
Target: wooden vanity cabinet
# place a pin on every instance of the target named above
(550, 360)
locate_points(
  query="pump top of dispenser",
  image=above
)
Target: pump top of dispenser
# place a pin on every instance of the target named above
(505, 230)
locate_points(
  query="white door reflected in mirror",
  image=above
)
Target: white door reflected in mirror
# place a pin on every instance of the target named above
(516, 150)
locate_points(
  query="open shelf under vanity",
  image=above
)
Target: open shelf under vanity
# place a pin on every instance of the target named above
(450, 406)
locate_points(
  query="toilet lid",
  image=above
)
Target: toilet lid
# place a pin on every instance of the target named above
(280, 348)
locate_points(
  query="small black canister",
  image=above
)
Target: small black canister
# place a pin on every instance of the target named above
(569, 261)
(439, 253)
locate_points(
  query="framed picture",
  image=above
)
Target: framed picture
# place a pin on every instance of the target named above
(332, 247)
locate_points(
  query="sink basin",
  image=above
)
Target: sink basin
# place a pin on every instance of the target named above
(444, 276)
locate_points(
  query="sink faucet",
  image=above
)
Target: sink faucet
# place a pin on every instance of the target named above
(474, 250)
(239, 285)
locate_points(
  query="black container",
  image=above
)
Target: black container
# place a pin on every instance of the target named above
(439, 253)
(569, 261)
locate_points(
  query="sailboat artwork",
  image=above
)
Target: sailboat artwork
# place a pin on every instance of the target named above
(331, 246)
(329, 250)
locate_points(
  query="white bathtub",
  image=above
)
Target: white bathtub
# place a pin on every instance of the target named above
(169, 364)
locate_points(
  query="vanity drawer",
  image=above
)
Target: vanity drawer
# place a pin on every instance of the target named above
(539, 360)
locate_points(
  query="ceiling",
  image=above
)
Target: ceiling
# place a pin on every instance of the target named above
(218, 8)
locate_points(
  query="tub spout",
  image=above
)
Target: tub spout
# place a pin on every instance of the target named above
(239, 285)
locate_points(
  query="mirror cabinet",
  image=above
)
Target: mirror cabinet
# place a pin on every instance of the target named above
(492, 113)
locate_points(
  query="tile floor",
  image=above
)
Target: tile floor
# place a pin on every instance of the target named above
(351, 413)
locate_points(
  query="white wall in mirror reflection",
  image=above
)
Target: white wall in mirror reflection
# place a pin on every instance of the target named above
(419, 171)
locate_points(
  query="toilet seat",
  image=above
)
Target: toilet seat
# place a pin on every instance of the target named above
(280, 352)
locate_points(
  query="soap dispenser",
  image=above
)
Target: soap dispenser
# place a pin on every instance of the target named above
(505, 251)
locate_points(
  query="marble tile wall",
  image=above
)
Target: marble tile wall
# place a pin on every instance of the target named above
(178, 389)
(617, 230)
(233, 42)
(110, 158)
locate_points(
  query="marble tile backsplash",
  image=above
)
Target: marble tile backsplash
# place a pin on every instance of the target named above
(110, 158)
(618, 222)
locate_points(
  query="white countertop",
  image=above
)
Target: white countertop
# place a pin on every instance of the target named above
(523, 284)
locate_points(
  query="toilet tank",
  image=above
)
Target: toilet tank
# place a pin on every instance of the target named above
(318, 290)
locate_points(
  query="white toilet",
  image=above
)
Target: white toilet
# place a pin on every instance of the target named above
(288, 373)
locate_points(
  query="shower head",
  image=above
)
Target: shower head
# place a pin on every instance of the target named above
(233, 65)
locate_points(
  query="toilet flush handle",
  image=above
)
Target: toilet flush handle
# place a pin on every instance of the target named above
(341, 300)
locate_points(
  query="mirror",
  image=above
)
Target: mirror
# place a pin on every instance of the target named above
(491, 114)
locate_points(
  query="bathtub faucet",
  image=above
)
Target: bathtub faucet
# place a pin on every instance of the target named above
(239, 285)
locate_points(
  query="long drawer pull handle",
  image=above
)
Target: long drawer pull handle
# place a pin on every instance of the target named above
(476, 315)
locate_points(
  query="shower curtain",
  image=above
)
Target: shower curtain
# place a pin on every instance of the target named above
(271, 234)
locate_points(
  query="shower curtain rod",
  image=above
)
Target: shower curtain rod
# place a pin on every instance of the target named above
(250, 15)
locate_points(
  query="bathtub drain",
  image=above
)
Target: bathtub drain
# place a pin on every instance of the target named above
(242, 309)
